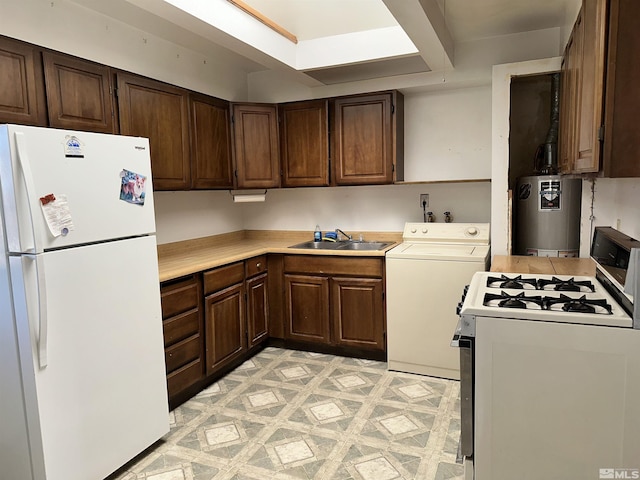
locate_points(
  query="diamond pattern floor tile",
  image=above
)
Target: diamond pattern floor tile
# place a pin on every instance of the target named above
(288, 414)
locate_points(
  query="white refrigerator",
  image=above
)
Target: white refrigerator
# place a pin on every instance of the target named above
(82, 373)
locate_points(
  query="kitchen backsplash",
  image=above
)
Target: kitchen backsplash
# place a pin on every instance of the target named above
(186, 215)
(615, 204)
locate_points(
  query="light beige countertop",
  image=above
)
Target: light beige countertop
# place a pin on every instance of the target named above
(543, 265)
(190, 256)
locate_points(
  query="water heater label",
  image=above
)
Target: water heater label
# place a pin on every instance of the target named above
(550, 194)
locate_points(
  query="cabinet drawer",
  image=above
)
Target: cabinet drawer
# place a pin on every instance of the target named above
(184, 377)
(255, 265)
(180, 327)
(183, 352)
(328, 265)
(223, 277)
(179, 297)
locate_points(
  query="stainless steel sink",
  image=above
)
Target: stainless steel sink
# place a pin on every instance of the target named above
(311, 245)
(365, 245)
(344, 245)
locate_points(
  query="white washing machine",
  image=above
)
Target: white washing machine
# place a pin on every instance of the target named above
(426, 275)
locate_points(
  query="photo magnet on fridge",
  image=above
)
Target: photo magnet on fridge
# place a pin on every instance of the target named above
(132, 188)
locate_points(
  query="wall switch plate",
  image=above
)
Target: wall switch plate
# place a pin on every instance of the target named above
(424, 197)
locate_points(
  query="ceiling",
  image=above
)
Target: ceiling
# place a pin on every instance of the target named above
(338, 40)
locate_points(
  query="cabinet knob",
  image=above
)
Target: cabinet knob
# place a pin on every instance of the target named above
(258, 265)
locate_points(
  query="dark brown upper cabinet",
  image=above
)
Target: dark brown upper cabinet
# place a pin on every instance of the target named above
(304, 143)
(211, 165)
(255, 140)
(368, 139)
(22, 92)
(79, 94)
(160, 112)
(601, 95)
(622, 91)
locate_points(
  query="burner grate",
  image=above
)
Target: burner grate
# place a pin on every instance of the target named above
(579, 305)
(571, 285)
(519, 300)
(517, 283)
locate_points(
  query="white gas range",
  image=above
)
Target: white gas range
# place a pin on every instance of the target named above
(548, 298)
(550, 373)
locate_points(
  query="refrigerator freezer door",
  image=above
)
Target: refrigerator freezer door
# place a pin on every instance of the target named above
(86, 169)
(15, 449)
(102, 397)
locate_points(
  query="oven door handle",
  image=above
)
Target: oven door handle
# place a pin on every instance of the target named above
(466, 346)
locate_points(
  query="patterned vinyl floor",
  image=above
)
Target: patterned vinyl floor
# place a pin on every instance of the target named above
(286, 414)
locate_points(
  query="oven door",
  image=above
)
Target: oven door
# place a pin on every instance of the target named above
(466, 347)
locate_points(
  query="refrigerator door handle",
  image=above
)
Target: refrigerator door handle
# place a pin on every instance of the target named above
(43, 323)
(27, 176)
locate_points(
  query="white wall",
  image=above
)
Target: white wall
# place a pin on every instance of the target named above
(186, 215)
(383, 208)
(615, 203)
(448, 134)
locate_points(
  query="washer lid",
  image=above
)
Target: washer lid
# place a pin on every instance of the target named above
(427, 251)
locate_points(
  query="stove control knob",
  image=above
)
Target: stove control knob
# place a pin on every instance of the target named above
(414, 230)
(472, 231)
(424, 230)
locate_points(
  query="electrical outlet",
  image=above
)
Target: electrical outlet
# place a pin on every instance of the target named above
(424, 198)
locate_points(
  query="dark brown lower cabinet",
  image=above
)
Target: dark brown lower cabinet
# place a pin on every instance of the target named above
(257, 309)
(182, 327)
(225, 326)
(335, 301)
(224, 315)
(358, 312)
(307, 307)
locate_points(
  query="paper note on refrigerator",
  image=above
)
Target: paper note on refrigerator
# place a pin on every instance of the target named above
(57, 214)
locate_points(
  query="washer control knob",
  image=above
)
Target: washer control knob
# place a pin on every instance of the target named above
(414, 230)
(472, 231)
(424, 230)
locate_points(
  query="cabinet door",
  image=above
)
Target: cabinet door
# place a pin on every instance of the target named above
(304, 140)
(22, 98)
(257, 309)
(225, 326)
(307, 308)
(79, 94)
(358, 312)
(568, 100)
(210, 143)
(592, 68)
(363, 140)
(255, 131)
(159, 112)
(622, 98)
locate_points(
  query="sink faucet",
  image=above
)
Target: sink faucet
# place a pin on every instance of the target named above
(340, 232)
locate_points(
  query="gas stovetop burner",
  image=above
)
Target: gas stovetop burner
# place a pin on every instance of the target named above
(517, 283)
(579, 305)
(571, 285)
(513, 301)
